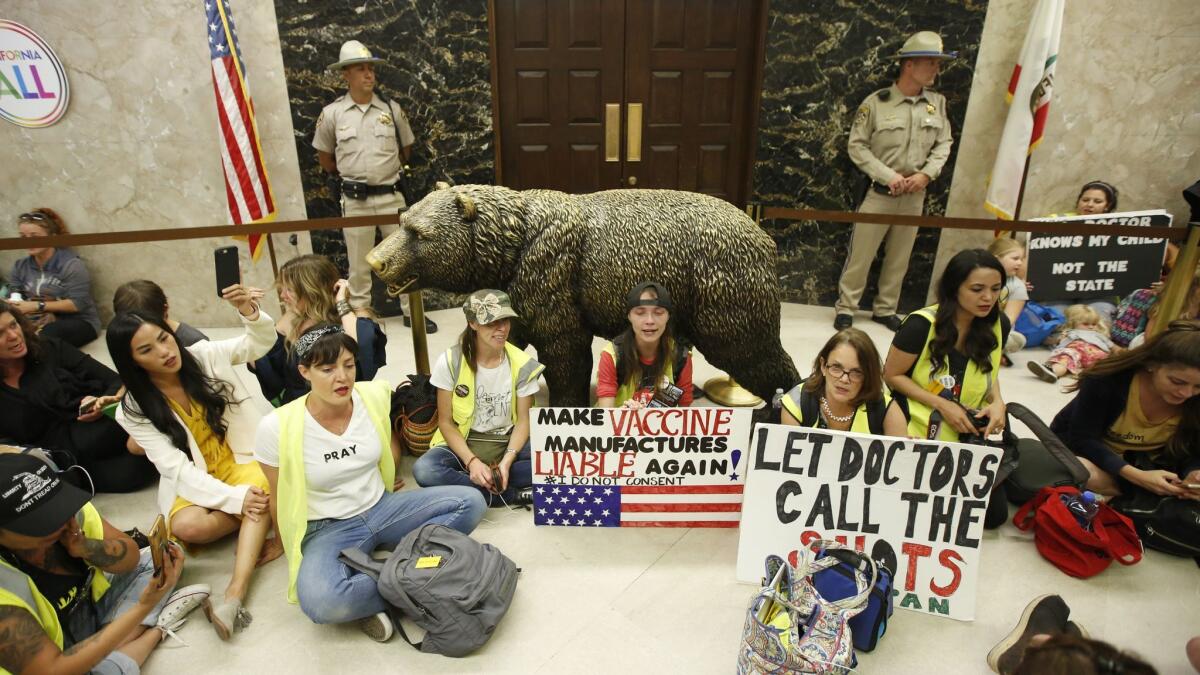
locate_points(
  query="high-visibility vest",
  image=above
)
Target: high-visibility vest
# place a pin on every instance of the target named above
(975, 387)
(868, 417)
(525, 369)
(18, 590)
(625, 390)
(291, 498)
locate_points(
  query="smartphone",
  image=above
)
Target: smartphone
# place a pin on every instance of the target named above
(158, 544)
(85, 408)
(229, 272)
(1192, 486)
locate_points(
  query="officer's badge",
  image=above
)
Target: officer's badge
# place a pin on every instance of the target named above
(863, 113)
(385, 119)
(930, 108)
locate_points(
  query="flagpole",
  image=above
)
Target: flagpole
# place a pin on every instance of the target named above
(1021, 192)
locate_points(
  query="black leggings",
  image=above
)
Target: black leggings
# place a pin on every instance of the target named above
(70, 328)
(99, 447)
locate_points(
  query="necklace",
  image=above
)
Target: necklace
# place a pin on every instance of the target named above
(834, 418)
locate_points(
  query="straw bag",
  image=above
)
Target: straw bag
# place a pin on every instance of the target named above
(414, 413)
(790, 628)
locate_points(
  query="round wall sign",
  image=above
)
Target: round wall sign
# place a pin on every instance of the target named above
(33, 82)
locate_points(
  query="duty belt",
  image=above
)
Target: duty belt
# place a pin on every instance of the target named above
(355, 190)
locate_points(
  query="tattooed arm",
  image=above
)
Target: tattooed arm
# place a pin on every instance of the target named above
(25, 649)
(116, 553)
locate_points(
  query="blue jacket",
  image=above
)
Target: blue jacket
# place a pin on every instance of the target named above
(63, 278)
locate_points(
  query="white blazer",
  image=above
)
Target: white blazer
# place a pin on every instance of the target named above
(190, 479)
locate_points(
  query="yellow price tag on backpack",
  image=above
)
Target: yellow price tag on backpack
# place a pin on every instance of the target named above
(428, 561)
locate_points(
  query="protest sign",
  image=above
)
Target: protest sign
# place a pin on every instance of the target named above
(915, 505)
(654, 467)
(1096, 266)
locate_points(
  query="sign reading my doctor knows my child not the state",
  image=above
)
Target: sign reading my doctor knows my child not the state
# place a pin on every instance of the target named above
(33, 82)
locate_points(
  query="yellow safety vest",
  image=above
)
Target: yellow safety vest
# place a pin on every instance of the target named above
(861, 424)
(291, 498)
(976, 385)
(625, 390)
(18, 590)
(525, 369)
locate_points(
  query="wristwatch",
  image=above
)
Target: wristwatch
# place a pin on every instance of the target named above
(41, 305)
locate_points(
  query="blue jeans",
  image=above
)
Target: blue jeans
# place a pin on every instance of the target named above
(123, 593)
(331, 592)
(440, 466)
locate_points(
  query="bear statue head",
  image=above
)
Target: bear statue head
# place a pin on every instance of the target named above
(453, 240)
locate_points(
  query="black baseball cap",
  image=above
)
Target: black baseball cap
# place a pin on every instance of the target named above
(634, 299)
(34, 500)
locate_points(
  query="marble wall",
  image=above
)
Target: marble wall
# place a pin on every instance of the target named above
(822, 59)
(437, 69)
(1124, 110)
(137, 146)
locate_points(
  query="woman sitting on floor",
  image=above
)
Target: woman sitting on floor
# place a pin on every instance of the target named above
(485, 388)
(845, 391)
(53, 397)
(1135, 421)
(55, 286)
(944, 364)
(333, 477)
(187, 407)
(645, 363)
(312, 293)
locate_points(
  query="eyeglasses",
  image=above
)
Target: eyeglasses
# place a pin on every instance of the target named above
(836, 371)
(35, 215)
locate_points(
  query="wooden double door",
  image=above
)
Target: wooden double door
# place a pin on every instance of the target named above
(602, 94)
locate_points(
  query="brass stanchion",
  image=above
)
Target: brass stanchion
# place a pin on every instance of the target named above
(1178, 282)
(416, 310)
(724, 390)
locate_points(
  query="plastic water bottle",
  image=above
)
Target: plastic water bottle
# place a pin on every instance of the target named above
(777, 400)
(1083, 507)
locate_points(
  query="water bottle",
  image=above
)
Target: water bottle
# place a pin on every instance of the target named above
(1083, 507)
(777, 400)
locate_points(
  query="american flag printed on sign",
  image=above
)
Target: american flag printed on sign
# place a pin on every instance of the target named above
(247, 188)
(637, 505)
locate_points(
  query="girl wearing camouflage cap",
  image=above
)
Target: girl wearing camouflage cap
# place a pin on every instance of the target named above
(485, 390)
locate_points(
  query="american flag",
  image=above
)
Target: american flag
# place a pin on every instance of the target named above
(637, 505)
(246, 186)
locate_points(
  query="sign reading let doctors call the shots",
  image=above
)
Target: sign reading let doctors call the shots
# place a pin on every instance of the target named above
(916, 506)
(33, 82)
(654, 467)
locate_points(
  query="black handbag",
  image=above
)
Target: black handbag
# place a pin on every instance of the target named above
(1164, 523)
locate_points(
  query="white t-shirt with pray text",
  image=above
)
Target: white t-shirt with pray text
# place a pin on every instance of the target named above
(341, 471)
(493, 394)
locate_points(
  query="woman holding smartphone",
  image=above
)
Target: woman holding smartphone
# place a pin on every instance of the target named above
(313, 293)
(195, 418)
(645, 362)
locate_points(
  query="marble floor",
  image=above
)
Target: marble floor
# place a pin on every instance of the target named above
(665, 601)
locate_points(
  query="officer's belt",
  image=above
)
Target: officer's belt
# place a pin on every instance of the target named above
(355, 190)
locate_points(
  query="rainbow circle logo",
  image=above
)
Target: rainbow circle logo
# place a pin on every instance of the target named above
(33, 82)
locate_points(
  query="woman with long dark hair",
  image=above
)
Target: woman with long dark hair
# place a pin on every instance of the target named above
(944, 363)
(53, 397)
(312, 293)
(485, 390)
(190, 411)
(645, 361)
(1135, 421)
(845, 391)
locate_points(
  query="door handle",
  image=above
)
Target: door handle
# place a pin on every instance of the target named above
(612, 132)
(633, 132)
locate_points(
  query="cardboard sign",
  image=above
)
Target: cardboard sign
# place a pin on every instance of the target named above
(655, 467)
(1096, 266)
(917, 506)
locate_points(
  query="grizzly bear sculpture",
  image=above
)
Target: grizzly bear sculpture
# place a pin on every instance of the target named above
(568, 261)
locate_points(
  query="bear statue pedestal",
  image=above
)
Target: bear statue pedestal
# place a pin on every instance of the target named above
(725, 391)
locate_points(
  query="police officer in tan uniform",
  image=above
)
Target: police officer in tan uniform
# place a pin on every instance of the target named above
(365, 140)
(900, 139)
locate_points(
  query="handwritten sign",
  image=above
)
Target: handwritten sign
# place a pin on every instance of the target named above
(655, 467)
(1096, 266)
(917, 506)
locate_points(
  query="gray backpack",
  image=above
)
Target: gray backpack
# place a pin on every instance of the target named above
(450, 585)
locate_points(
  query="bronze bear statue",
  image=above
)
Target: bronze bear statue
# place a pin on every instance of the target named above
(568, 261)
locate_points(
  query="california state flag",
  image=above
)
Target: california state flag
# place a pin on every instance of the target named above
(1029, 93)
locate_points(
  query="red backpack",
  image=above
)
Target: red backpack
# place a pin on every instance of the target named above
(1072, 549)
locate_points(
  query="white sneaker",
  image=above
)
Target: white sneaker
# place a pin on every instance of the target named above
(378, 627)
(181, 603)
